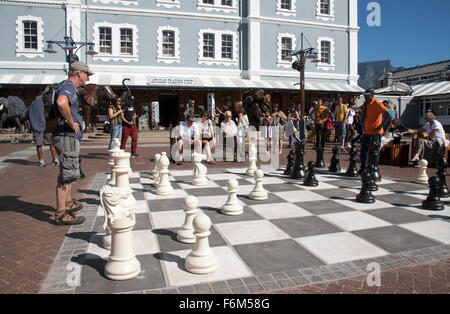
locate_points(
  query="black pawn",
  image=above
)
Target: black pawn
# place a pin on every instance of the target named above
(433, 202)
(372, 159)
(298, 172)
(319, 158)
(311, 178)
(442, 174)
(352, 171)
(290, 163)
(373, 182)
(334, 164)
(365, 196)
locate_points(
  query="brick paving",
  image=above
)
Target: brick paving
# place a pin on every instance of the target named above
(30, 242)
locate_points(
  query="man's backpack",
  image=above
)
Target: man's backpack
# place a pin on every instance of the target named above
(52, 116)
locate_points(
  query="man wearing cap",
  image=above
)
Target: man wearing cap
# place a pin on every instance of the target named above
(372, 122)
(67, 138)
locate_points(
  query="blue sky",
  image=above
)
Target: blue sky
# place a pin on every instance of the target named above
(412, 32)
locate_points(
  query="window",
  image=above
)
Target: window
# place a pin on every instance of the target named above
(325, 47)
(226, 6)
(126, 41)
(208, 46)
(325, 10)
(286, 7)
(169, 43)
(208, 1)
(29, 36)
(227, 3)
(285, 44)
(218, 47)
(117, 42)
(105, 40)
(125, 2)
(227, 47)
(168, 3)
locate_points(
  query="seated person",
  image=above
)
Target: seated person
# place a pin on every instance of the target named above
(207, 136)
(189, 134)
(229, 130)
(394, 129)
(429, 147)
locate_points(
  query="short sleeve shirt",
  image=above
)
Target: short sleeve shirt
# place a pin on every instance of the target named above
(63, 129)
(320, 114)
(189, 132)
(128, 114)
(339, 113)
(374, 117)
(440, 134)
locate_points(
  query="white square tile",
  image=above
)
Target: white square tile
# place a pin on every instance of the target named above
(279, 211)
(100, 211)
(145, 242)
(327, 177)
(146, 180)
(189, 186)
(230, 267)
(300, 196)
(181, 173)
(321, 186)
(340, 247)
(141, 207)
(268, 180)
(167, 219)
(237, 170)
(223, 176)
(352, 203)
(177, 193)
(95, 248)
(354, 220)
(134, 175)
(250, 232)
(380, 191)
(215, 202)
(436, 229)
(136, 186)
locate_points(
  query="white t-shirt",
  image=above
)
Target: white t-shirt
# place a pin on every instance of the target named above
(440, 134)
(351, 115)
(188, 132)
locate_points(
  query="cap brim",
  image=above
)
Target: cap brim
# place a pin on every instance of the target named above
(89, 73)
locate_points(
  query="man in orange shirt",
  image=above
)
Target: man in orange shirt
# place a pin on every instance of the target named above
(320, 114)
(372, 121)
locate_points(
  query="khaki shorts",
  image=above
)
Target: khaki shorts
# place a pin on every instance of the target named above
(42, 138)
(68, 149)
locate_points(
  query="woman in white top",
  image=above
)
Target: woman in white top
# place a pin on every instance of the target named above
(207, 137)
(350, 119)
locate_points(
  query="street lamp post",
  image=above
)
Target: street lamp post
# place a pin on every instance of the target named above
(70, 46)
(299, 65)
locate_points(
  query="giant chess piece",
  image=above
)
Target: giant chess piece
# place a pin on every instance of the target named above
(352, 171)
(258, 193)
(372, 159)
(115, 149)
(186, 233)
(422, 176)
(373, 183)
(433, 202)
(252, 157)
(298, 172)
(442, 174)
(334, 164)
(310, 176)
(122, 263)
(164, 186)
(366, 196)
(199, 171)
(319, 157)
(232, 206)
(201, 260)
(156, 170)
(290, 163)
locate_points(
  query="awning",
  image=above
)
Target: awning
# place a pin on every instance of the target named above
(429, 89)
(396, 89)
(143, 80)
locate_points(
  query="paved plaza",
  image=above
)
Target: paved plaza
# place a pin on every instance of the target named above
(299, 240)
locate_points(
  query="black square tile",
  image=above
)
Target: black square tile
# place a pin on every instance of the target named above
(94, 281)
(207, 192)
(276, 256)
(216, 215)
(345, 183)
(139, 195)
(397, 215)
(98, 224)
(135, 181)
(271, 199)
(305, 226)
(142, 222)
(336, 194)
(282, 187)
(398, 199)
(402, 187)
(323, 207)
(394, 239)
(167, 204)
(184, 179)
(167, 239)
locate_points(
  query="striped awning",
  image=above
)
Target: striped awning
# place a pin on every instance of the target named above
(143, 80)
(429, 89)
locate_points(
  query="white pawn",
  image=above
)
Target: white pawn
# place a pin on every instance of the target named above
(258, 193)
(164, 186)
(200, 170)
(156, 170)
(232, 206)
(201, 260)
(186, 233)
(252, 157)
(422, 177)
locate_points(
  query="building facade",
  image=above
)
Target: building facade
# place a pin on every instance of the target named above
(174, 51)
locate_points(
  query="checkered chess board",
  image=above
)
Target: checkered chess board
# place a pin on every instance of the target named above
(296, 228)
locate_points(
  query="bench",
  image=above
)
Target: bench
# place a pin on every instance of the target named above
(395, 155)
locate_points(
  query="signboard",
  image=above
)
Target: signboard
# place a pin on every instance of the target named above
(171, 81)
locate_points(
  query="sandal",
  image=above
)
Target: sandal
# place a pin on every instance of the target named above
(73, 205)
(211, 162)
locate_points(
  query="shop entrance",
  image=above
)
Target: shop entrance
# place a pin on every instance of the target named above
(168, 108)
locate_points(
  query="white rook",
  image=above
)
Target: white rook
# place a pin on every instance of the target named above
(201, 260)
(186, 233)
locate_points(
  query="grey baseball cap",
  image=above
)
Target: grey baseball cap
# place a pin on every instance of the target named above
(369, 91)
(81, 66)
